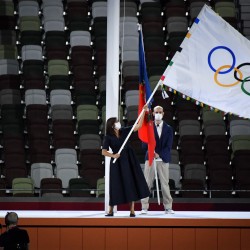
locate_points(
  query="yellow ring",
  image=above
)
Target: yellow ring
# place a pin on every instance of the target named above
(227, 85)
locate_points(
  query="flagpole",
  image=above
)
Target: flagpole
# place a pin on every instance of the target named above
(138, 118)
(112, 78)
(157, 184)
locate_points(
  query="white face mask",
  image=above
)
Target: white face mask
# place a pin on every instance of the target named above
(158, 117)
(117, 125)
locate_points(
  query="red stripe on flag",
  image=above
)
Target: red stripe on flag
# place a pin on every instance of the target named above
(151, 142)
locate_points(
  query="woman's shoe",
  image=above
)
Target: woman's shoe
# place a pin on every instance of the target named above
(132, 214)
(109, 214)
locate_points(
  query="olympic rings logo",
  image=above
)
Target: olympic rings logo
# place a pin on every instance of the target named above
(221, 70)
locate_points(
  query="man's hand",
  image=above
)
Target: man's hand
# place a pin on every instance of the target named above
(156, 156)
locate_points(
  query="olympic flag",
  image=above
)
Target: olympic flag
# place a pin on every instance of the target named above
(213, 65)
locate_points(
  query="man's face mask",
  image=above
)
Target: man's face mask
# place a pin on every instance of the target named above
(158, 116)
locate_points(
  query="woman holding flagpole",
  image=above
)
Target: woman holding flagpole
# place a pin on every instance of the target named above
(127, 182)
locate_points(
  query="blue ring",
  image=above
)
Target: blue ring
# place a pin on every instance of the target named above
(229, 50)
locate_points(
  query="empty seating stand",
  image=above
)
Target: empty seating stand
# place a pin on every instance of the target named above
(53, 96)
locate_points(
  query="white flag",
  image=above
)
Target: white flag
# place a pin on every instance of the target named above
(213, 65)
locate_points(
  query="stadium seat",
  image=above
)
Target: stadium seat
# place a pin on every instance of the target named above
(39, 171)
(22, 187)
(79, 187)
(51, 187)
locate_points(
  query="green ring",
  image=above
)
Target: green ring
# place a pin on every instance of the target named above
(242, 86)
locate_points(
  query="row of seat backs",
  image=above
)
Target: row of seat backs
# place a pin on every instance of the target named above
(78, 187)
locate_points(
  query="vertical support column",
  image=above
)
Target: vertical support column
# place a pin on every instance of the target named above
(112, 75)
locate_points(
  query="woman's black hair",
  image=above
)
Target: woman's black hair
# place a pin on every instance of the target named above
(110, 126)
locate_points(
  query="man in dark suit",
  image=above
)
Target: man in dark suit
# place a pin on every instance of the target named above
(14, 237)
(164, 140)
